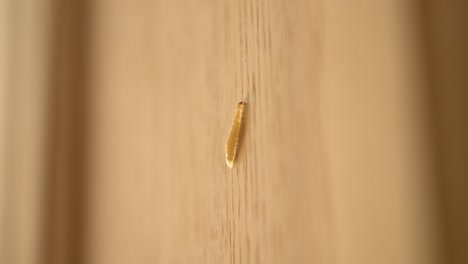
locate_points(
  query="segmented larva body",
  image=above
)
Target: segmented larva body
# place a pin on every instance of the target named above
(233, 138)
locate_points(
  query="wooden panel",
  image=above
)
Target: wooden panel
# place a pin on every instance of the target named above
(167, 77)
(114, 117)
(377, 132)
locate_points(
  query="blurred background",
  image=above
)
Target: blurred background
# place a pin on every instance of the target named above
(114, 116)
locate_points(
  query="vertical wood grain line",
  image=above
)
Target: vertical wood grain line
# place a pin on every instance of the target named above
(245, 62)
(233, 249)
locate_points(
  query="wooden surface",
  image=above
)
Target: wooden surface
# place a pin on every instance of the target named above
(167, 82)
(351, 151)
(311, 184)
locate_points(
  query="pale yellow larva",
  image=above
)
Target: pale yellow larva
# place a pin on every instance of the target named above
(233, 138)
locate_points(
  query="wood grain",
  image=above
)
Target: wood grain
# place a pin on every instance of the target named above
(116, 115)
(166, 81)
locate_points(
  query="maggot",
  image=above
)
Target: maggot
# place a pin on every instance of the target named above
(233, 138)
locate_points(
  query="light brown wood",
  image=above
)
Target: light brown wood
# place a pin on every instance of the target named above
(352, 151)
(303, 190)
(161, 191)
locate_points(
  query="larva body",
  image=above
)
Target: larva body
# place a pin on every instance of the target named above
(233, 138)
